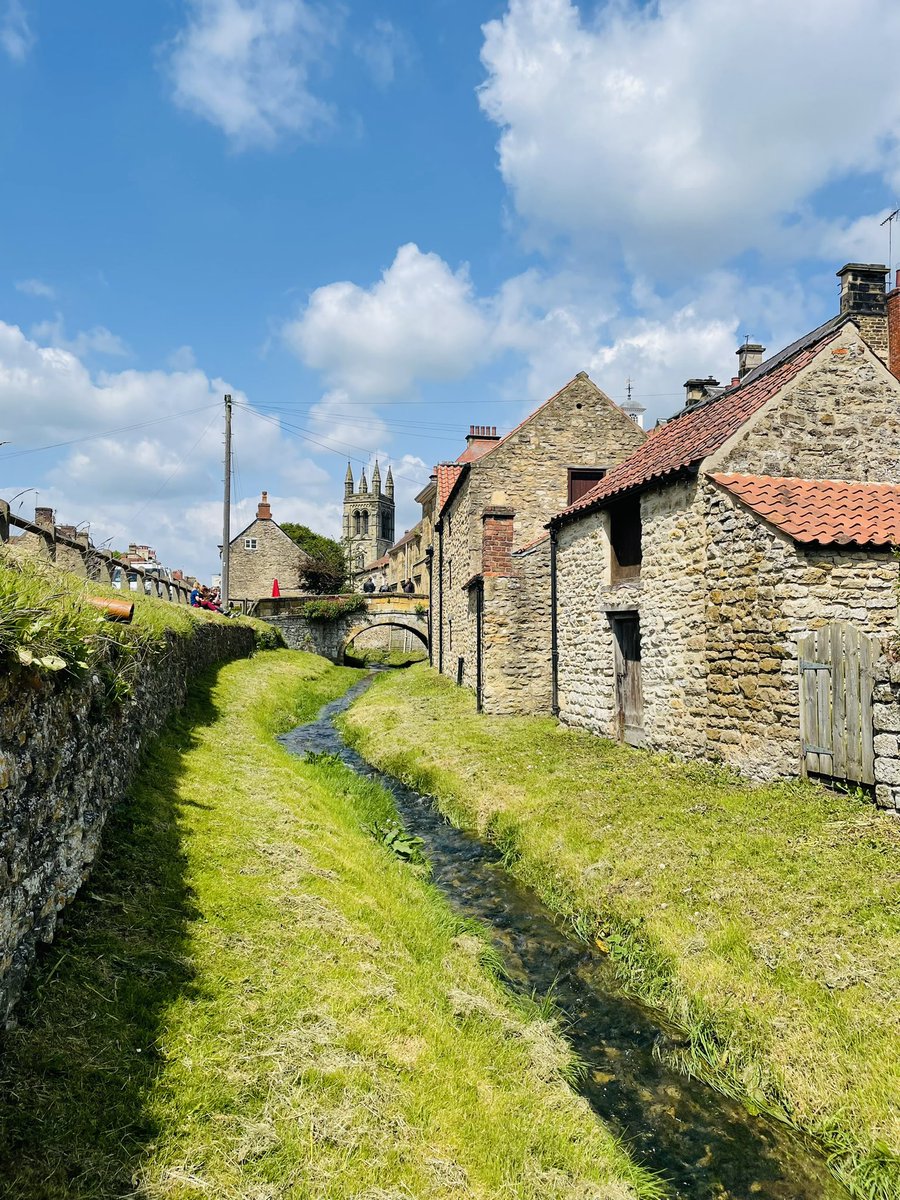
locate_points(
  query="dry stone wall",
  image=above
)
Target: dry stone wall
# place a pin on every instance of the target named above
(66, 757)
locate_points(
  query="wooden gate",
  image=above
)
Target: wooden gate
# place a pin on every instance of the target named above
(836, 680)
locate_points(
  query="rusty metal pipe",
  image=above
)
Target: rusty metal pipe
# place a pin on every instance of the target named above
(113, 610)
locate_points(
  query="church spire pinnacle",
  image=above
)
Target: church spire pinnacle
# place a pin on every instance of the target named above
(348, 481)
(389, 484)
(376, 479)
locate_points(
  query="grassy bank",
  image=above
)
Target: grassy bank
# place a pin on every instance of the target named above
(254, 998)
(764, 920)
(375, 656)
(49, 626)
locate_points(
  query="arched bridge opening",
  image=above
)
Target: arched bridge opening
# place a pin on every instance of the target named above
(332, 635)
(377, 641)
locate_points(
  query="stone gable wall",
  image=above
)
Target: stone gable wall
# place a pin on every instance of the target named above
(66, 757)
(886, 720)
(276, 557)
(840, 419)
(528, 474)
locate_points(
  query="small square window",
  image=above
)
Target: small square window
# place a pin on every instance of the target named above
(249, 543)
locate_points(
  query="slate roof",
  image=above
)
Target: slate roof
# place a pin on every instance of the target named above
(826, 511)
(689, 437)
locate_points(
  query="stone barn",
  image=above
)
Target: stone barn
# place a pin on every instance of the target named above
(727, 591)
(490, 568)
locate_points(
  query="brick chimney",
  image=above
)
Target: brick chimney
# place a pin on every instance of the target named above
(46, 518)
(263, 511)
(749, 356)
(863, 298)
(479, 440)
(497, 540)
(893, 320)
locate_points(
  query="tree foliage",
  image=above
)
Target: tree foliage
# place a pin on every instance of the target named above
(328, 570)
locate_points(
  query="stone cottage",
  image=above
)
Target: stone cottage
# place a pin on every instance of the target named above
(262, 553)
(490, 566)
(726, 591)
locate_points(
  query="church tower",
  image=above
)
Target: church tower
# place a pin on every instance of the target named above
(368, 518)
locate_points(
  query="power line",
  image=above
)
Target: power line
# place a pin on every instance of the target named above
(89, 437)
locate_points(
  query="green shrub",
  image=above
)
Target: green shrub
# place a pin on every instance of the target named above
(333, 609)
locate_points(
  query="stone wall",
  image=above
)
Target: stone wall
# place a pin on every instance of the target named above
(527, 474)
(886, 720)
(765, 593)
(66, 757)
(839, 419)
(516, 635)
(251, 572)
(723, 601)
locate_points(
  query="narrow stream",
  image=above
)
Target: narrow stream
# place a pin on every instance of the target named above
(703, 1144)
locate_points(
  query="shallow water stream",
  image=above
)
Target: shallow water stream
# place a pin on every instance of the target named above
(703, 1144)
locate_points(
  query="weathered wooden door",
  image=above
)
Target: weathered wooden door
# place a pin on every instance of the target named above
(629, 701)
(836, 680)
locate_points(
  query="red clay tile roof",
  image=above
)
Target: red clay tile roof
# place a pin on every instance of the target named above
(829, 511)
(447, 475)
(689, 437)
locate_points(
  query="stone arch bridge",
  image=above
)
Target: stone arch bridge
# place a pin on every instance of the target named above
(331, 638)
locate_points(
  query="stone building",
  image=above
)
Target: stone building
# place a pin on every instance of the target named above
(490, 568)
(262, 553)
(368, 526)
(405, 560)
(725, 592)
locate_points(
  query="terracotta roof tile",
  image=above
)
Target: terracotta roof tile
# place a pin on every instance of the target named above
(828, 511)
(689, 437)
(447, 475)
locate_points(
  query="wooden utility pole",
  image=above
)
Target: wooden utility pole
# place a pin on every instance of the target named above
(226, 507)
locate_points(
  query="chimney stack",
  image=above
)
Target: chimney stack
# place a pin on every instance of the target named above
(696, 390)
(749, 356)
(45, 517)
(263, 511)
(863, 298)
(893, 321)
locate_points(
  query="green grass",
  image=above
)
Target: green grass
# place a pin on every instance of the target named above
(378, 656)
(252, 997)
(764, 920)
(47, 625)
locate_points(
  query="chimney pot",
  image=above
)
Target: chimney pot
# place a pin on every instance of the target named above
(263, 509)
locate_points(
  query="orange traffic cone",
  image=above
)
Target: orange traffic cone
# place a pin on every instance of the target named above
(276, 590)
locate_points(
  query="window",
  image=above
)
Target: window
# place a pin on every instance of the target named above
(386, 526)
(249, 543)
(450, 634)
(360, 561)
(625, 539)
(356, 523)
(365, 524)
(582, 479)
(449, 573)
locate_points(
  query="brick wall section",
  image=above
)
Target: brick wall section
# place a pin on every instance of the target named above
(66, 757)
(526, 473)
(497, 540)
(893, 308)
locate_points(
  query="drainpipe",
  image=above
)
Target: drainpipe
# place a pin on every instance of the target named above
(479, 625)
(554, 647)
(440, 532)
(429, 564)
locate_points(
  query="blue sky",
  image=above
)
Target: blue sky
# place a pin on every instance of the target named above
(376, 224)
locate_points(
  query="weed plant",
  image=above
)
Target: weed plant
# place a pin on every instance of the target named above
(764, 921)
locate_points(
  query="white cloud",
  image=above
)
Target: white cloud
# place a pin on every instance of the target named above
(182, 359)
(146, 463)
(16, 37)
(98, 340)
(36, 288)
(420, 321)
(245, 65)
(384, 50)
(684, 132)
